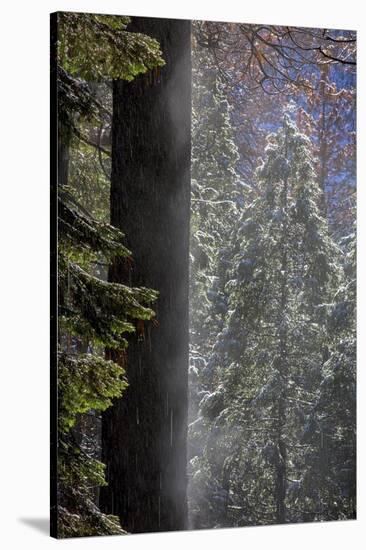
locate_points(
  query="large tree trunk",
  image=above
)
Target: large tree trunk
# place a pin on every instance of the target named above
(144, 433)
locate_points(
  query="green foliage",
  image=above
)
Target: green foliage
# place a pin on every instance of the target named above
(98, 47)
(91, 308)
(95, 316)
(271, 441)
(99, 310)
(79, 476)
(331, 452)
(216, 200)
(93, 524)
(279, 285)
(216, 196)
(88, 183)
(86, 382)
(79, 232)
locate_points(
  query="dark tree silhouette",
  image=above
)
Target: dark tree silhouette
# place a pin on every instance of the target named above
(144, 434)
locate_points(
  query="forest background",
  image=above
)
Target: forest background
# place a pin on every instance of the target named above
(271, 424)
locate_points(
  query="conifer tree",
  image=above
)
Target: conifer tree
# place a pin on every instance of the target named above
(93, 314)
(329, 479)
(216, 198)
(270, 354)
(329, 118)
(216, 201)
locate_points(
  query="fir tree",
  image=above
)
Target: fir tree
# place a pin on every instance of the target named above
(329, 479)
(216, 200)
(94, 314)
(270, 354)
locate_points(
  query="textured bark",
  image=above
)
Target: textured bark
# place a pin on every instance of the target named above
(144, 434)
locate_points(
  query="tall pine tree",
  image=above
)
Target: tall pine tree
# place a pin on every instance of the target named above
(271, 352)
(217, 197)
